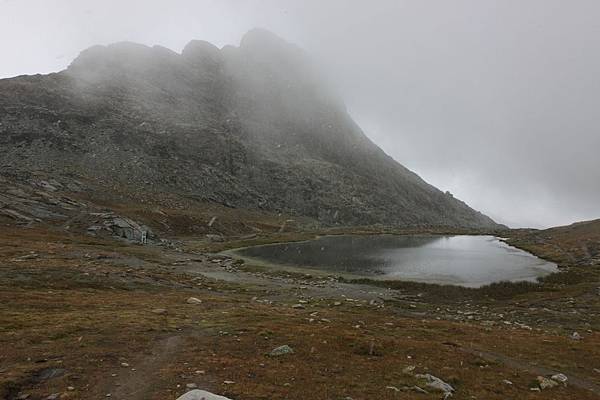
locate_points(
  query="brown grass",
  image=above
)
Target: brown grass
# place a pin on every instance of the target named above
(86, 305)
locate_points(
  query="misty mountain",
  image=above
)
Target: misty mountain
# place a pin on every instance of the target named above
(253, 126)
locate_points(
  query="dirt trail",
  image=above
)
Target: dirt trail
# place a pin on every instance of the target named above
(141, 383)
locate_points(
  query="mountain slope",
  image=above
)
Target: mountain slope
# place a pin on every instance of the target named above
(248, 127)
(575, 244)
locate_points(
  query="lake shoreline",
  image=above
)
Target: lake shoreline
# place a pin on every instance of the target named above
(284, 256)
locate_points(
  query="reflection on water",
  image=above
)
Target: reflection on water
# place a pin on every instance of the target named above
(460, 260)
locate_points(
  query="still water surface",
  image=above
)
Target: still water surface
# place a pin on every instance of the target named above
(459, 260)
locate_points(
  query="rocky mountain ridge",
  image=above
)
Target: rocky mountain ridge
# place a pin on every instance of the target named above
(251, 127)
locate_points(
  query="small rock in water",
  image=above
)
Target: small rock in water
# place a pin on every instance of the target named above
(193, 300)
(191, 386)
(298, 306)
(159, 311)
(546, 383)
(281, 350)
(53, 396)
(197, 394)
(576, 336)
(506, 381)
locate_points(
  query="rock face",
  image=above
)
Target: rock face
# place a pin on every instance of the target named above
(250, 127)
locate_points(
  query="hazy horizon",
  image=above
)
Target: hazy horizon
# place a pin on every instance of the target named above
(494, 102)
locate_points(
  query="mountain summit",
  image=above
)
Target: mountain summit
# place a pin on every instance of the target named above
(251, 127)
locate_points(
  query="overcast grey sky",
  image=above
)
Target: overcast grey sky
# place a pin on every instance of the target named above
(495, 101)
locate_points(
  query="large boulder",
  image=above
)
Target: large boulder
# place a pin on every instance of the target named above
(197, 394)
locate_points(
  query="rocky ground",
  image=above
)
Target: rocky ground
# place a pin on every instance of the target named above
(89, 317)
(88, 314)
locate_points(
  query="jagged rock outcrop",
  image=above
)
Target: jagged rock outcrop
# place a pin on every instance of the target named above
(251, 127)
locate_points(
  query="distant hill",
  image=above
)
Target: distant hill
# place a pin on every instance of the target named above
(250, 127)
(578, 243)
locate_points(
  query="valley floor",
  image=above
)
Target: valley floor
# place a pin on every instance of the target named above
(91, 318)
